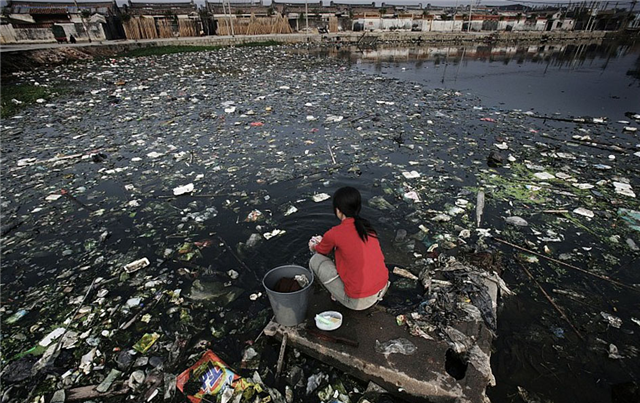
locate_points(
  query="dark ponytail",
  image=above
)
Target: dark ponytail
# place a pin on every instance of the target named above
(348, 200)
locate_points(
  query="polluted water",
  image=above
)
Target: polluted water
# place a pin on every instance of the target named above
(143, 203)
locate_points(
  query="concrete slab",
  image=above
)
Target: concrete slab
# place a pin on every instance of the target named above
(418, 377)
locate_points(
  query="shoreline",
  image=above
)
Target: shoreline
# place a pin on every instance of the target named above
(27, 56)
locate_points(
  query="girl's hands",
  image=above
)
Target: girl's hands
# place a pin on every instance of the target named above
(313, 242)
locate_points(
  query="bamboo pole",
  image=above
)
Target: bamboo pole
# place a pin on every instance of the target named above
(605, 278)
(551, 301)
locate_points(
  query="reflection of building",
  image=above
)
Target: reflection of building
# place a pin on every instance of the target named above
(48, 21)
(634, 21)
(561, 53)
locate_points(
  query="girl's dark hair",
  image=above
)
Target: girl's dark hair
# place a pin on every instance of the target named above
(348, 200)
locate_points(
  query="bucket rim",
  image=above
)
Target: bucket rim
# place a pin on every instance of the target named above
(269, 290)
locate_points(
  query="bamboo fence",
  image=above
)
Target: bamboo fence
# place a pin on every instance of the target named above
(132, 29)
(333, 24)
(187, 28)
(255, 26)
(148, 28)
(165, 28)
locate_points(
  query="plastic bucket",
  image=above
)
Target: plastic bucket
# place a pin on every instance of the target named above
(290, 308)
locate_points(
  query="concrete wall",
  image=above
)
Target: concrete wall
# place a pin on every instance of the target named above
(9, 34)
(522, 25)
(563, 25)
(446, 26)
(397, 23)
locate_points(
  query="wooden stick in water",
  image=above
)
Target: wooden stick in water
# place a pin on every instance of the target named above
(564, 316)
(605, 278)
(332, 156)
(283, 347)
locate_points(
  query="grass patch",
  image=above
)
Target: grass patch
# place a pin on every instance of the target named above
(167, 50)
(257, 44)
(25, 95)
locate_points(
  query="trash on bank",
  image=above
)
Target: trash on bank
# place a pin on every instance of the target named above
(396, 346)
(136, 265)
(210, 376)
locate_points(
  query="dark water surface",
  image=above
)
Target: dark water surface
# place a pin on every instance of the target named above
(403, 109)
(576, 80)
(534, 350)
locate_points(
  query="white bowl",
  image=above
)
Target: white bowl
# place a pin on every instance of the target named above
(328, 320)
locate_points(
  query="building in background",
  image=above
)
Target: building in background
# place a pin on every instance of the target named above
(26, 21)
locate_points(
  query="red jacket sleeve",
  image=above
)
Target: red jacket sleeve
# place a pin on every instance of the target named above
(327, 244)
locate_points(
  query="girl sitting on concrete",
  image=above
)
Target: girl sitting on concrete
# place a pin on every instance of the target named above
(359, 277)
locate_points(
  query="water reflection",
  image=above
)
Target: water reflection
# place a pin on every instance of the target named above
(577, 79)
(565, 55)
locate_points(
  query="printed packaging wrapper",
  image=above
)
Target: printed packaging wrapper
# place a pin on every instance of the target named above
(207, 377)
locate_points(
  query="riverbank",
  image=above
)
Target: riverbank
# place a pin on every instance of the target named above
(28, 56)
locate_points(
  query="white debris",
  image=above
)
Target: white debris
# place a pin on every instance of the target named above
(566, 156)
(180, 190)
(137, 265)
(624, 189)
(412, 195)
(320, 197)
(613, 352)
(411, 175)
(441, 218)
(453, 211)
(154, 154)
(614, 321)
(404, 273)
(56, 333)
(53, 197)
(630, 129)
(255, 296)
(543, 175)
(583, 186)
(333, 119)
(26, 161)
(564, 176)
(583, 212)
(274, 233)
(290, 210)
(519, 221)
(133, 302)
(502, 146)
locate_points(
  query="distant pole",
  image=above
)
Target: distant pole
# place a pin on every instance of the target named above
(470, 11)
(84, 24)
(306, 13)
(233, 34)
(226, 20)
(633, 5)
